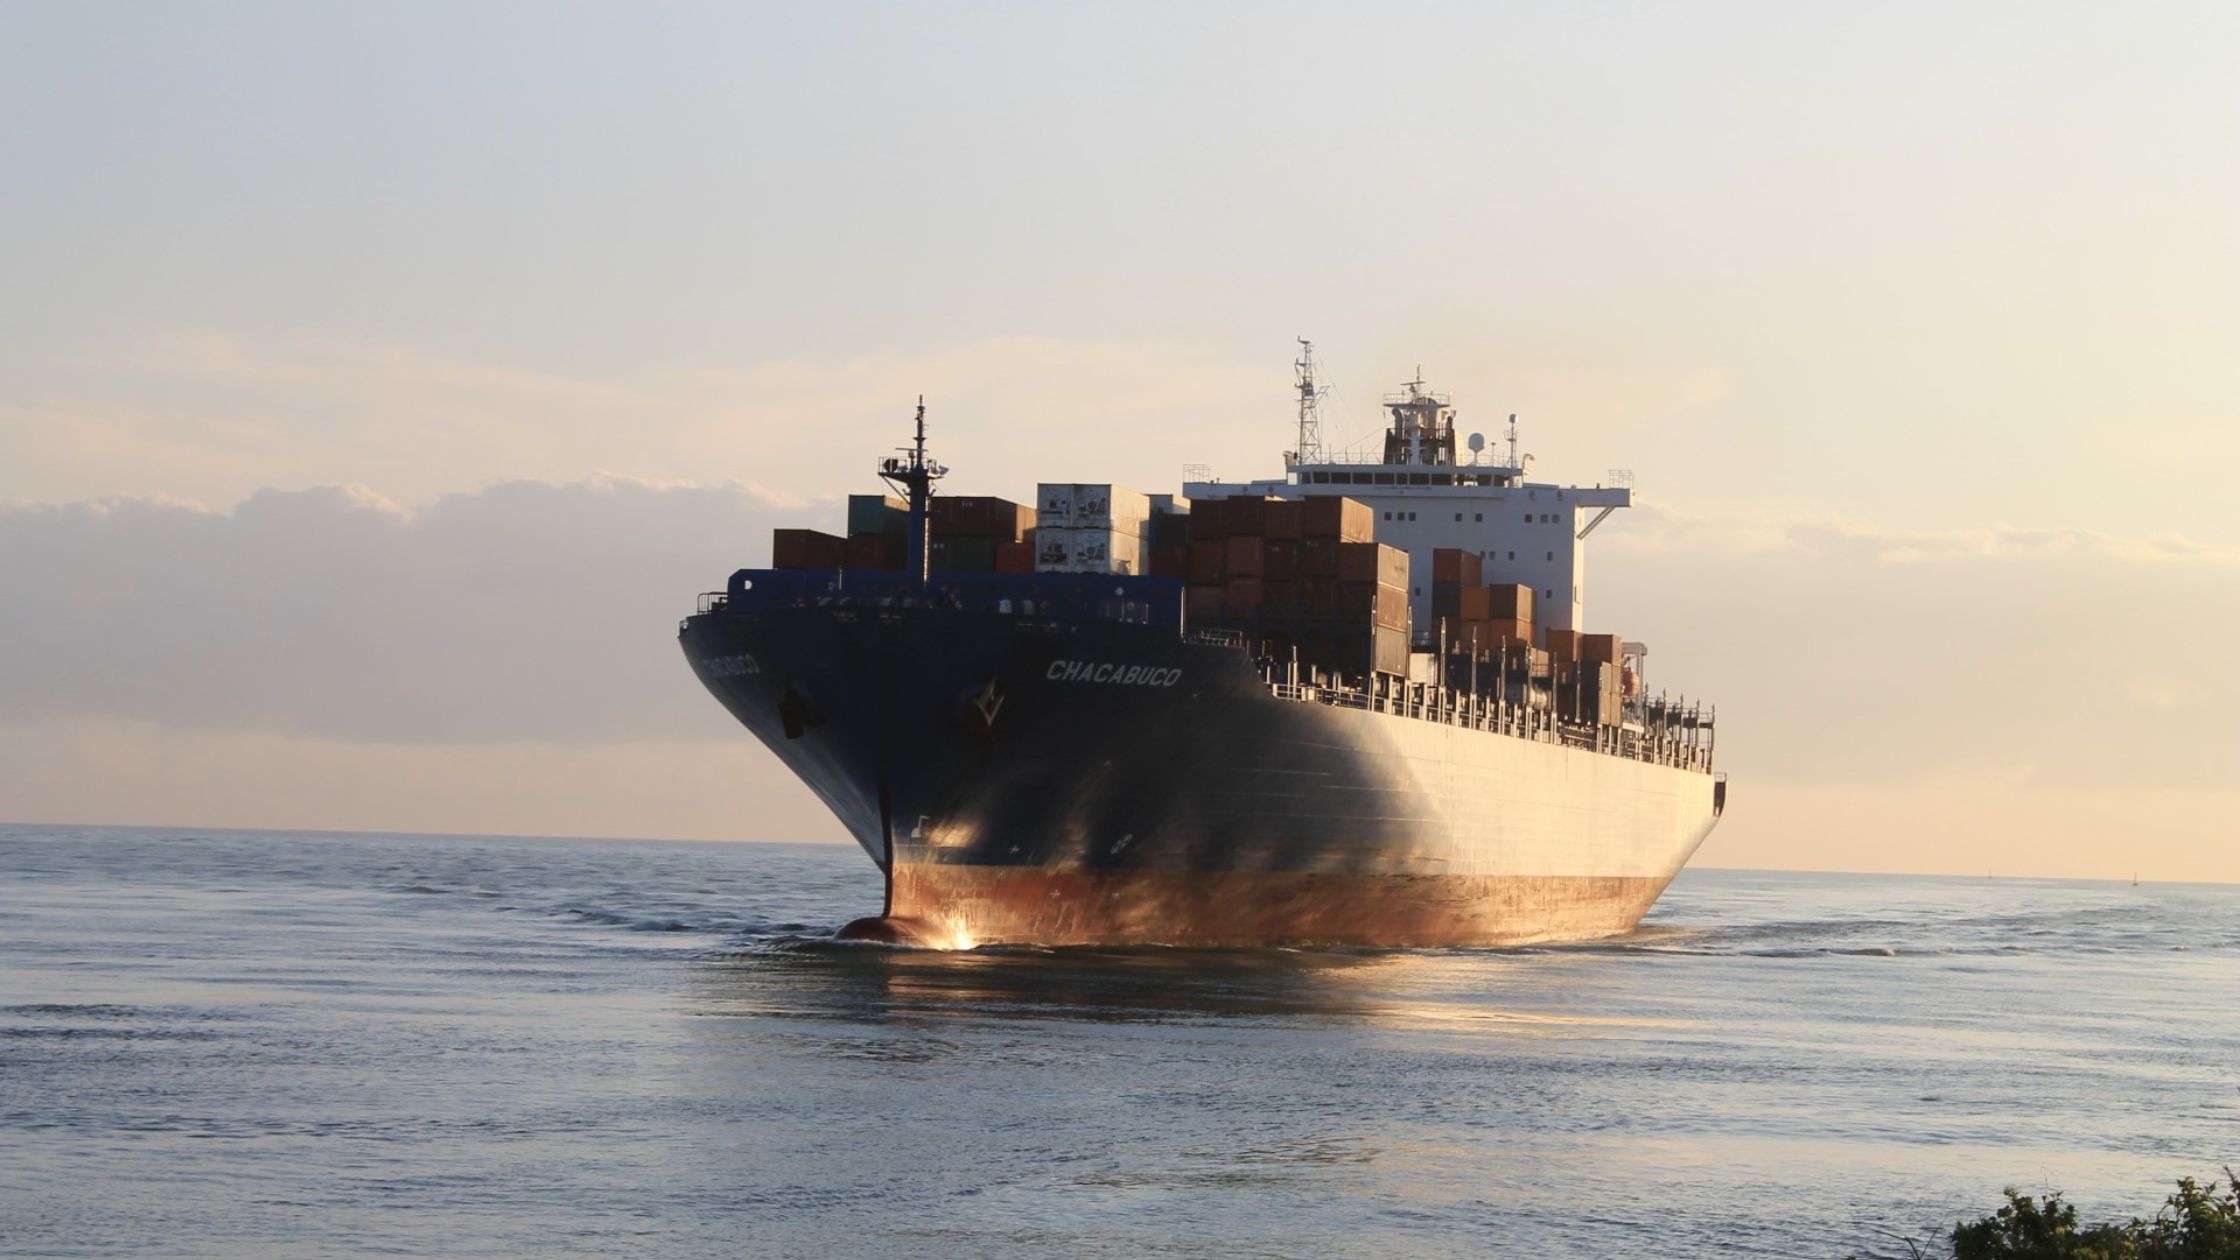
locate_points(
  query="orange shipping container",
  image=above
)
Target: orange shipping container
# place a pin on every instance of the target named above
(1510, 600)
(1337, 518)
(1563, 645)
(1603, 648)
(806, 549)
(1452, 564)
(1373, 562)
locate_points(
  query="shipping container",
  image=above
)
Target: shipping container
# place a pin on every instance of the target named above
(1106, 551)
(1242, 597)
(1169, 560)
(1337, 518)
(1318, 597)
(1373, 562)
(1446, 600)
(1282, 559)
(807, 549)
(1280, 519)
(1204, 605)
(1244, 515)
(1053, 549)
(1014, 557)
(963, 555)
(1170, 528)
(1280, 598)
(878, 514)
(1318, 557)
(1245, 555)
(1491, 636)
(1509, 600)
(1607, 649)
(1208, 561)
(875, 553)
(1477, 604)
(1207, 520)
(1452, 564)
(978, 516)
(1368, 602)
(1563, 645)
(1053, 505)
(1102, 505)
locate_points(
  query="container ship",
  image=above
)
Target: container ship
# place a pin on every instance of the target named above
(1355, 704)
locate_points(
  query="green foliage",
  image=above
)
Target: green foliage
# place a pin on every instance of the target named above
(2196, 1223)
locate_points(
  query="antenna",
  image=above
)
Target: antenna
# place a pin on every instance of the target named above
(1513, 439)
(914, 474)
(1309, 450)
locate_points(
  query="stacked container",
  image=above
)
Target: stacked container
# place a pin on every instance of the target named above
(1091, 527)
(878, 527)
(1300, 576)
(979, 533)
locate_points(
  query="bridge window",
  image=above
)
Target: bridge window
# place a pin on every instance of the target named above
(1478, 519)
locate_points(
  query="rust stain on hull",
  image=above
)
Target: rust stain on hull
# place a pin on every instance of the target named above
(986, 905)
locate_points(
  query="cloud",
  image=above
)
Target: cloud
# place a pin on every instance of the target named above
(522, 611)
(1843, 651)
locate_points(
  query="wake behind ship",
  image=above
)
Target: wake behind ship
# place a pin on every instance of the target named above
(1331, 708)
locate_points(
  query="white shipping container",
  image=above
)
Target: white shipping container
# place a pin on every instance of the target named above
(1053, 549)
(1102, 505)
(1053, 505)
(1106, 551)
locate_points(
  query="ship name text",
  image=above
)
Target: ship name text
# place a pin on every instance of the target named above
(738, 666)
(1117, 675)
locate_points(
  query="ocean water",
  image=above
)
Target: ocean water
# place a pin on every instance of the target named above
(258, 1044)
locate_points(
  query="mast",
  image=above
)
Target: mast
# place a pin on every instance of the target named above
(914, 474)
(1309, 450)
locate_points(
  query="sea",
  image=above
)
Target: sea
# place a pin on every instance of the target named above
(248, 1044)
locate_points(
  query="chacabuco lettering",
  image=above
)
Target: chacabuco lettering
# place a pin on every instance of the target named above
(1117, 675)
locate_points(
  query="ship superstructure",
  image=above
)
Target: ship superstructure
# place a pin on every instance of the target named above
(1325, 708)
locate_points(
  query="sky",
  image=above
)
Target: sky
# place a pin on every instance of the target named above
(378, 384)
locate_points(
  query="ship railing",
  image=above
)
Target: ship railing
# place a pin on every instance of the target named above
(1531, 721)
(712, 600)
(1213, 638)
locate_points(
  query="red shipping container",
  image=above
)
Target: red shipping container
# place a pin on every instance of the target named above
(1477, 604)
(1245, 555)
(1244, 515)
(1281, 558)
(1206, 520)
(1208, 561)
(1242, 596)
(1563, 645)
(806, 549)
(1171, 560)
(1204, 605)
(1318, 557)
(1280, 598)
(1451, 564)
(1280, 519)
(1337, 518)
(874, 553)
(1318, 597)
(1014, 557)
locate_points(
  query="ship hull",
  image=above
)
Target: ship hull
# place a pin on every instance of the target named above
(1059, 783)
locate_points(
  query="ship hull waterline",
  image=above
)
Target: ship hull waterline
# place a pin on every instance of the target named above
(1085, 783)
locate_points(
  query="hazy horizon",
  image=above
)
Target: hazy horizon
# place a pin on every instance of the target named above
(383, 385)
